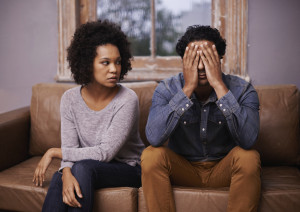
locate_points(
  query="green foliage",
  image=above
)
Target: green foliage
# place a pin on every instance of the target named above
(134, 17)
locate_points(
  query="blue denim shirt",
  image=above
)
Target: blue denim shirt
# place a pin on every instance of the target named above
(203, 131)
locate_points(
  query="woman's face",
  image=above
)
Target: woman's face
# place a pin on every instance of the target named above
(107, 65)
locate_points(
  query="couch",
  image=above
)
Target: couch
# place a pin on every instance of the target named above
(26, 133)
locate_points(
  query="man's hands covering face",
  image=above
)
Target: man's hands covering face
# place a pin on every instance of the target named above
(200, 56)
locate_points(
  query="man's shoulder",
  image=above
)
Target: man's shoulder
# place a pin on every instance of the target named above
(172, 83)
(233, 81)
(237, 85)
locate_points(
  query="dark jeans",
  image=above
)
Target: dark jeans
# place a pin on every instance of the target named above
(91, 175)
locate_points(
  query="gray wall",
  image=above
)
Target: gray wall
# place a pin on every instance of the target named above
(28, 49)
(28, 46)
(274, 45)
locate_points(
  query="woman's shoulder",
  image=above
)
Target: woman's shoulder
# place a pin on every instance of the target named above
(127, 93)
(71, 95)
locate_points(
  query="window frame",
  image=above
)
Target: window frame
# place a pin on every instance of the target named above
(229, 16)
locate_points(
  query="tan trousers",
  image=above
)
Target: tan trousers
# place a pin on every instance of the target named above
(240, 169)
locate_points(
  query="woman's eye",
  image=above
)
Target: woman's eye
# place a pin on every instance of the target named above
(119, 62)
(105, 62)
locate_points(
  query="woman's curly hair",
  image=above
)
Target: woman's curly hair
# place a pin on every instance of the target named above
(86, 39)
(197, 33)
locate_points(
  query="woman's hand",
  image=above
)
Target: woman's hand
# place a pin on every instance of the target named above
(39, 173)
(70, 185)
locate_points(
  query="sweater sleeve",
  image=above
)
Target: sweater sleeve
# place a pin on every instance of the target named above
(69, 135)
(123, 118)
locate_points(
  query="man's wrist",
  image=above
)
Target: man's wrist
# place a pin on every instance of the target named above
(220, 89)
(188, 91)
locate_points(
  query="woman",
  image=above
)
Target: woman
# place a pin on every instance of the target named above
(100, 142)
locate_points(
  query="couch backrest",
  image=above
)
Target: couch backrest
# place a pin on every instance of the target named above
(45, 114)
(278, 141)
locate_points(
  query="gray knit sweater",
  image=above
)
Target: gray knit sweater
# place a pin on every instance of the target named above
(111, 133)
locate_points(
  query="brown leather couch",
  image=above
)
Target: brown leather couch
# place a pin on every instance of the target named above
(25, 134)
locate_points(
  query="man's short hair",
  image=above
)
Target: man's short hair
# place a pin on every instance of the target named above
(199, 32)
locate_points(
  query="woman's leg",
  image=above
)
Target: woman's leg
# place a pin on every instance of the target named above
(92, 174)
(53, 200)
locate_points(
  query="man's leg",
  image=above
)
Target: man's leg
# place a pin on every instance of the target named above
(241, 170)
(92, 174)
(161, 167)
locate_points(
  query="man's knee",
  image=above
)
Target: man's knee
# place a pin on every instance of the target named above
(153, 157)
(246, 160)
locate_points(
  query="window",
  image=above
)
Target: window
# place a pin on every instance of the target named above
(154, 55)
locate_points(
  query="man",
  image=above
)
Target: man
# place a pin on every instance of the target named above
(210, 121)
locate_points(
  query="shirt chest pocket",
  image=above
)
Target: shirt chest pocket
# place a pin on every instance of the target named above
(189, 119)
(217, 119)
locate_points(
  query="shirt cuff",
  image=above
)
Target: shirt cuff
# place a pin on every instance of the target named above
(180, 103)
(227, 104)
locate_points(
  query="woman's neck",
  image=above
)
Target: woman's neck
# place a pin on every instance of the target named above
(97, 97)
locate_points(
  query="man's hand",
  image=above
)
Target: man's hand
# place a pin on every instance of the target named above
(70, 185)
(211, 61)
(190, 71)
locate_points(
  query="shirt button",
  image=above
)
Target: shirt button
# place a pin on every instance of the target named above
(221, 105)
(220, 122)
(204, 110)
(203, 129)
(224, 110)
(187, 105)
(184, 122)
(182, 109)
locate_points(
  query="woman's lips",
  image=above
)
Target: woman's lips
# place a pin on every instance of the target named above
(112, 79)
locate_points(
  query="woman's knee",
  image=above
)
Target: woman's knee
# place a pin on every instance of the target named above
(82, 170)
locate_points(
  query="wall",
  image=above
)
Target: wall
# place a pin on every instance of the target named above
(274, 45)
(28, 49)
(28, 46)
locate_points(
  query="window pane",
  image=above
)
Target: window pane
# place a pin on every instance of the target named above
(172, 19)
(134, 18)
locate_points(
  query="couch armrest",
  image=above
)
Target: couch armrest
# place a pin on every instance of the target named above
(14, 137)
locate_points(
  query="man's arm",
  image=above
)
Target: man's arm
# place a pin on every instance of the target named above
(242, 116)
(168, 107)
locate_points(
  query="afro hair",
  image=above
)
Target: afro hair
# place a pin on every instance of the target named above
(82, 50)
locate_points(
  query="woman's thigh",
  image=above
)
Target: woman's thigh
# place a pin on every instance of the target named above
(104, 175)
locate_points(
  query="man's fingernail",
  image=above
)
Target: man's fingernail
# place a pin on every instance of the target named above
(192, 44)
